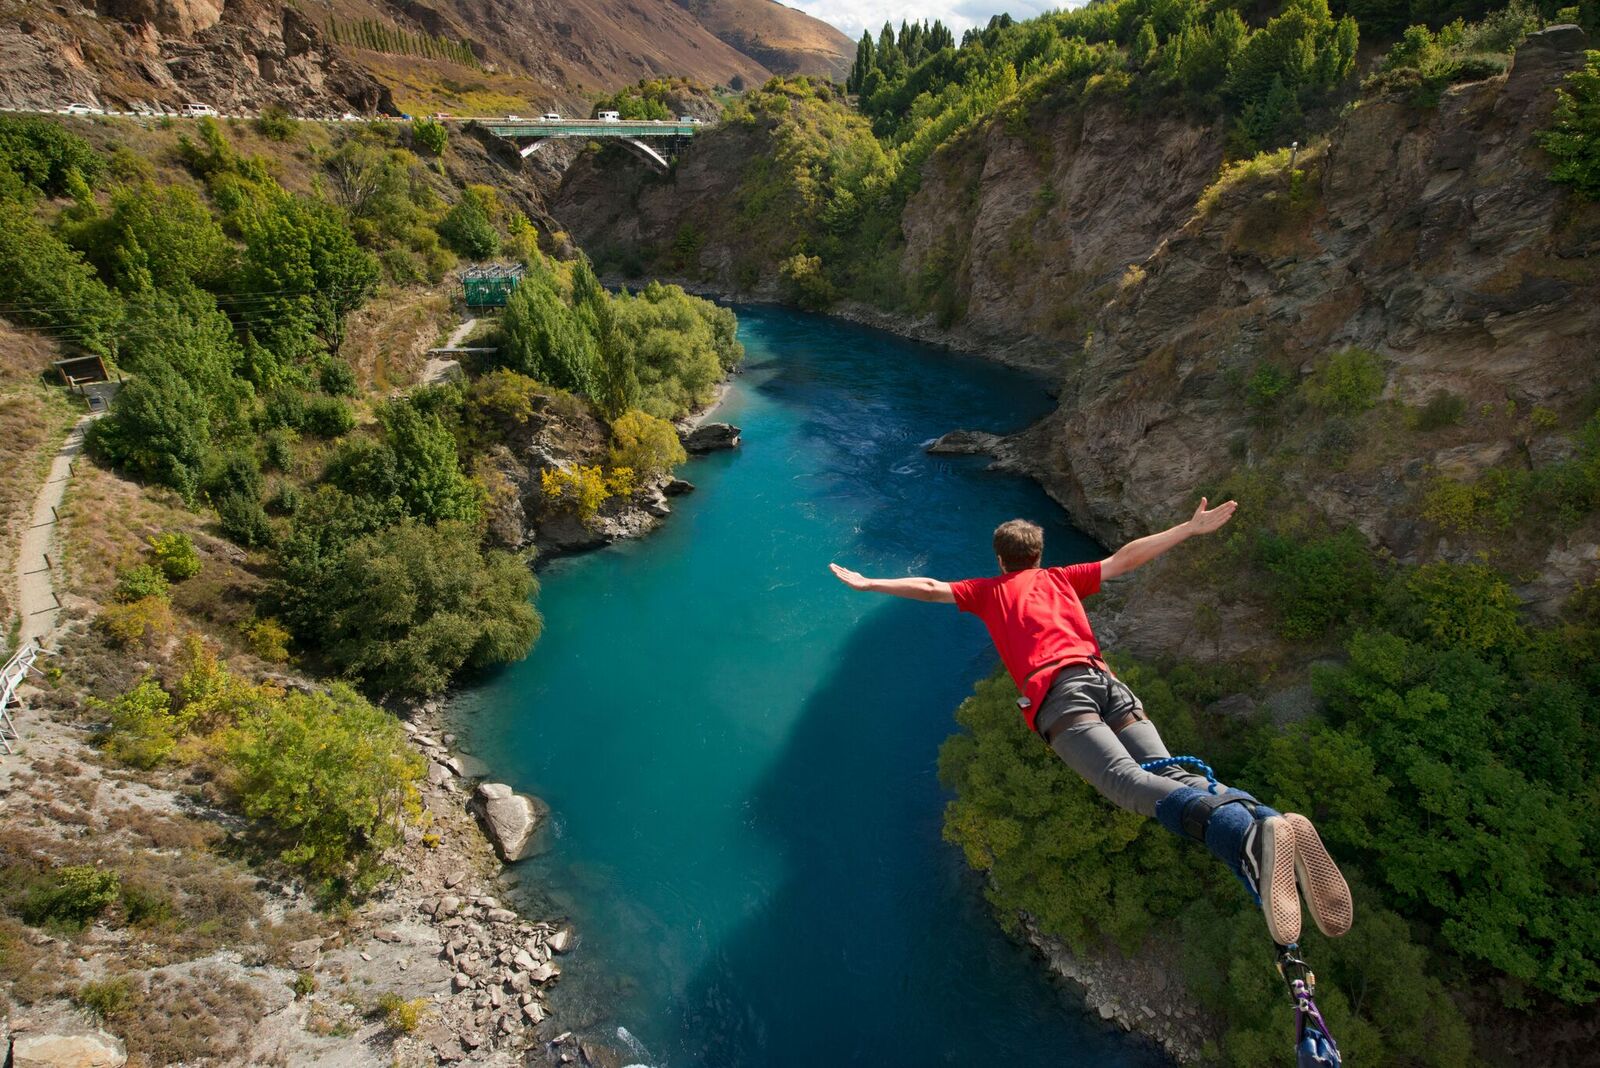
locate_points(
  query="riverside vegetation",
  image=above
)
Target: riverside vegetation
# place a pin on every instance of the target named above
(1439, 729)
(362, 521)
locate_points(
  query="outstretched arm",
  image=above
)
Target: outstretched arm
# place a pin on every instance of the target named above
(914, 589)
(1143, 550)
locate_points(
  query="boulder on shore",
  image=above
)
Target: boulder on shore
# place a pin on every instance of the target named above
(677, 487)
(509, 819)
(709, 437)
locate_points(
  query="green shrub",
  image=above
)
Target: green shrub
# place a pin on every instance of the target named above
(276, 123)
(244, 521)
(328, 417)
(285, 407)
(468, 227)
(1454, 506)
(647, 445)
(429, 137)
(337, 379)
(268, 639)
(333, 777)
(405, 608)
(175, 555)
(105, 999)
(1315, 584)
(70, 897)
(1463, 605)
(1441, 410)
(148, 907)
(134, 621)
(138, 582)
(141, 728)
(400, 1015)
(1267, 387)
(1347, 382)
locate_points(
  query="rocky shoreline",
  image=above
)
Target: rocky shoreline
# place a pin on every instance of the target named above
(1136, 992)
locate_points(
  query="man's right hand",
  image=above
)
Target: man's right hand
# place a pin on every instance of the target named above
(853, 579)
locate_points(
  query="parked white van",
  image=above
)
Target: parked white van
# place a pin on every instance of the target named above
(549, 116)
(610, 116)
(195, 111)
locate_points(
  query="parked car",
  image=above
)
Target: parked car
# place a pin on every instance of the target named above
(81, 109)
(195, 111)
(549, 116)
(513, 118)
(349, 116)
(610, 116)
(440, 115)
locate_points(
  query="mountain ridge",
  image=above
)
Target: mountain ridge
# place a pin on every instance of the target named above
(324, 57)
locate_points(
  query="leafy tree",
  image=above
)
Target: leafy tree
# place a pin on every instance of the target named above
(1573, 140)
(334, 777)
(427, 467)
(182, 330)
(406, 608)
(141, 728)
(468, 227)
(429, 136)
(155, 238)
(175, 555)
(302, 264)
(48, 284)
(158, 428)
(544, 339)
(647, 445)
(45, 156)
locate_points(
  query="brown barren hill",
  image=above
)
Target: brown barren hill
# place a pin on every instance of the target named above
(323, 57)
(783, 39)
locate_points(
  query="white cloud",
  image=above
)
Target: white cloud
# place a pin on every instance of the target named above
(853, 16)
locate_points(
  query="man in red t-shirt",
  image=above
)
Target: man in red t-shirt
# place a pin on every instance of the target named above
(1096, 725)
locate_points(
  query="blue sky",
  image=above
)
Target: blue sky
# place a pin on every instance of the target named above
(852, 16)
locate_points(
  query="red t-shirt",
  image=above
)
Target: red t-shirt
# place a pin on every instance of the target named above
(1036, 618)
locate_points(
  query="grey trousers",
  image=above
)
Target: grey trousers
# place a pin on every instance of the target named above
(1109, 759)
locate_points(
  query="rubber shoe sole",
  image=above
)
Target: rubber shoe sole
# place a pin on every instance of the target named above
(1280, 902)
(1327, 894)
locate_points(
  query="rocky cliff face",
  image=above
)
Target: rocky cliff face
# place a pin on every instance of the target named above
(131, 53)
(246, 54)
(1432, 238)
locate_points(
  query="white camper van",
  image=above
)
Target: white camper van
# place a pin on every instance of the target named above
(195, 111)
(610, 116)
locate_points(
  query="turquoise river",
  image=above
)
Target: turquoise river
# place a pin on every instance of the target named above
(741, 754)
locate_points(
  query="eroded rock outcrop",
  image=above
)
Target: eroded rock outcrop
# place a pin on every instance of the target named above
(1430, 237)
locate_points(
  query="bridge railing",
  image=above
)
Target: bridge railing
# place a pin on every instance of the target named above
(591, 128)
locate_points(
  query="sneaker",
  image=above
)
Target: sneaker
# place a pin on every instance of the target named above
(1327, 894)
(1268, 867)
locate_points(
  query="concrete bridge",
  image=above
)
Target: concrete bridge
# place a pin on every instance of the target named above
(655, 141)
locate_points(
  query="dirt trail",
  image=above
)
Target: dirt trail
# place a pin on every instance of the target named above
(36, 600)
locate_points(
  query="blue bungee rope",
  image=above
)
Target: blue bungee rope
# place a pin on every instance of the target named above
(1167, 762)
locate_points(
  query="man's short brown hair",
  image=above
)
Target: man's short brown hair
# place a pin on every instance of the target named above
(1019, 544)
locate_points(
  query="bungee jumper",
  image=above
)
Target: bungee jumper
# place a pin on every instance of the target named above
(1098, 727)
